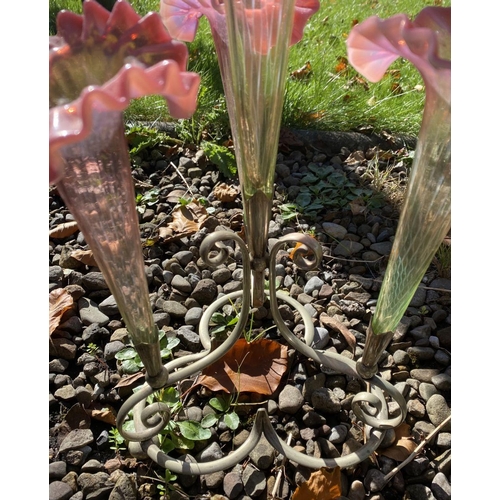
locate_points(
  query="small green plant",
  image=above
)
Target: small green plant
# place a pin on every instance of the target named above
(116, 441)
(92, 349)
(147, 199)
(130, 362)
(223, 411)
(221, 156)
(326, 188)
(177, 434)
(166, 487)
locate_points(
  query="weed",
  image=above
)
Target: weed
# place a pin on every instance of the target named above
(130, 362)
(223, 412)
(116, 440)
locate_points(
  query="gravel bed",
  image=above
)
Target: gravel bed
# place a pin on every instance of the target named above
(312, 405)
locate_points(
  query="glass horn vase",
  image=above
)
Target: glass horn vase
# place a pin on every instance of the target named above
(101, 196)
(254, 71)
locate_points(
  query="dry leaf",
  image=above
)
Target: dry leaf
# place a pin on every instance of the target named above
(60, 301)
(186, 220)
(106, 414)
(225, 193)
(341, 65)
(85, 257)
(324, 484)
(64, 230)
(130, 380)
(357, 206)
(404, 445)
(303, 72)
(247, 367)
(337, 325)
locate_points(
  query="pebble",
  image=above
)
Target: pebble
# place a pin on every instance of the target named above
(254, 481)
(59, 491)
(90, 313)
(290, 399)
(438, 410)
(441, 487)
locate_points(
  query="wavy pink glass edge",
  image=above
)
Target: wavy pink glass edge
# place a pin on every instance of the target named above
(181, 17)
(72, 122)
(374, 44)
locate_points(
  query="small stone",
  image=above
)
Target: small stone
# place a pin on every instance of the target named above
(232, 485)
(174, 308)
(90, 313)
(211, 452)
(125, 488)
(416, 408)
(214, 480)
(184, 257)
(335, 231)
(65, 393)
(338, 434)
(347, 248)
(290, 399)
(254, 481)
(321, 338)
(441, 487)
(182, 284)
(438, 410)
(262, 456)
(374, 480)
(59, 491)
(189, 339)
(442, 382)
(109, 307)
(193, 316)
(427, 390)
(357, 491)
(419, 492)
(77, 438)
(324, 400)
(112, 348)
(313, 284)
(58, 365)
(57, 470)
(205, 291)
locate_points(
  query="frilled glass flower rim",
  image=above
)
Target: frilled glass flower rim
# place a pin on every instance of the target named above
(181, 17)
(102, 60)
(374, 44)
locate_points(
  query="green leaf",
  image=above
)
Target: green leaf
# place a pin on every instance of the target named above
(232, 420)
(303, 199)
(209, 420)
(322, 171)
(181, 442)
(219, 403)
(126, 353)
(167, 445)
(222, 157)
(193, 430)
(129, 366)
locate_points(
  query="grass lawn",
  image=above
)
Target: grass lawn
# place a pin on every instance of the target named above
(331, 95)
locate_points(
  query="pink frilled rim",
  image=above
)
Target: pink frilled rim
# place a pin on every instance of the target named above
(374, 44)
(102, 60)
(181, 16)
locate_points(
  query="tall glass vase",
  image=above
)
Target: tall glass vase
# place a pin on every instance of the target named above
(101, 197)
(254, 75)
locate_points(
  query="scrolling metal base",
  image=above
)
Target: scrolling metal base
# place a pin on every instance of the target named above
(369, 406)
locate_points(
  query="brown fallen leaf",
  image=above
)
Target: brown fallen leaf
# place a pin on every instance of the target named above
(404, 445)
(186, 220)
(64, 230)
(85, 257)
(105, 414)
(60, 301)
(225, 193)
(337, 325)
(303, 72)
(129, 380)
(324, 484)
(256, 367)
(357, 206)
